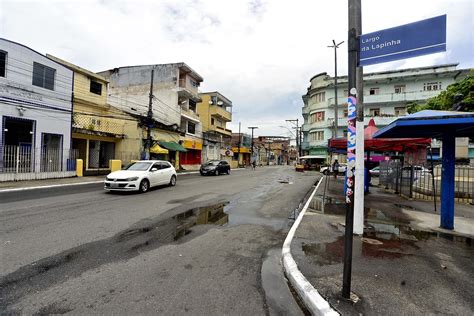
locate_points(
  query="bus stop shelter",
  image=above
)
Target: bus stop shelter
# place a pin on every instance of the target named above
(444, 125)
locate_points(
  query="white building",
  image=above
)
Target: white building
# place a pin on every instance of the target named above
(386, 96)
(175, 95)
(35, 115)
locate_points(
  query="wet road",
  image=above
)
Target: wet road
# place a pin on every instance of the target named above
(197, 247)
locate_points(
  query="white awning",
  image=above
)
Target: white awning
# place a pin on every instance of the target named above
(313, 157)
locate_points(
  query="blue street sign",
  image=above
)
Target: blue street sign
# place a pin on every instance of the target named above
(405, 41)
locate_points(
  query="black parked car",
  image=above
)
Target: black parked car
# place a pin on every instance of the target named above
(215, 167)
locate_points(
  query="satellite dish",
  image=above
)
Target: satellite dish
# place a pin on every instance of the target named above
(220, 102)
(210, 102)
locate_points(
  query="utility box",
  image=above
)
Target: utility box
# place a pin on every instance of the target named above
(115, 165)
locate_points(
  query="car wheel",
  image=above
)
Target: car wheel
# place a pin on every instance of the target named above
(144, 186)
(228, 171)
(216, 173)
(172, 181)
(326, 172)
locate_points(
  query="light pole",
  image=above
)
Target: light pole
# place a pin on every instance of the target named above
(298, 142)
(335, 46)
(251, 148)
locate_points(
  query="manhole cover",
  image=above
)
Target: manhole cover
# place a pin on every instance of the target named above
(372, 241)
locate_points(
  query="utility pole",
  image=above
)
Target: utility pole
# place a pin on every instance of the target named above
(251, 148)
(238, 155)
(298, 140)
(335, 46)
(149, 118)
(353, 49)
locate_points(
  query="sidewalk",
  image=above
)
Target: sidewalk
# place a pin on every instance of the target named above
(405, 264)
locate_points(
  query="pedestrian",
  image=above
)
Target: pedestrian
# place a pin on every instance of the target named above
(254, 163)
(335, 168)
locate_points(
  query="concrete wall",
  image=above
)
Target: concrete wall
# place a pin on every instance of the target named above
(129, 90)
(50, 109)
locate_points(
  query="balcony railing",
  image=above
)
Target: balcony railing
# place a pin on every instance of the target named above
(222, 130)
(222, 113)
(98, 124)
(387, 97)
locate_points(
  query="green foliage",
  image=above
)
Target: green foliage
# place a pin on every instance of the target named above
(446, 99)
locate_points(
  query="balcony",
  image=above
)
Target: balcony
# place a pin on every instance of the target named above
(380, 121)
(387, 98)
(190, 115)
(93, 125)
(187, 91)
(221, 130)
(220, 112)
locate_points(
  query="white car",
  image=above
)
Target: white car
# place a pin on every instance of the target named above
(141, 176)
(328, 169)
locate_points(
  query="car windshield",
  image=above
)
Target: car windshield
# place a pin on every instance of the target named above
(139, 166)
(211, 163)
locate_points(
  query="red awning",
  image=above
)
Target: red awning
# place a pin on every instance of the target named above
(381, 144)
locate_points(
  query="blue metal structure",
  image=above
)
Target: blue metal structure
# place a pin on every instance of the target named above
(445, 125)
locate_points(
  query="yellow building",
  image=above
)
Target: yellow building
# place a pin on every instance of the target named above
(215, 111)
(100, 132)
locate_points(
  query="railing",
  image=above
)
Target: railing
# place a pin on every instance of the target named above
(24, 162)
(217, 110)
(423, 182)
(98, 124)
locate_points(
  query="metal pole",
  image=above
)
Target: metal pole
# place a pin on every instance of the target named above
(251, 149)
(149, 118)
(353, 47)
(238, 148)
(335, 46)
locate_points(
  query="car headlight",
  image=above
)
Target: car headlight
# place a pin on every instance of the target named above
(132, 179)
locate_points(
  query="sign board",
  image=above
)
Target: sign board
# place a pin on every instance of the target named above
(405, 41)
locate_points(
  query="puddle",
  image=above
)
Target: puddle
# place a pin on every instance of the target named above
(333, 252)
(146, 235)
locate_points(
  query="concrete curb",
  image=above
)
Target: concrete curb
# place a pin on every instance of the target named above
(316, 304)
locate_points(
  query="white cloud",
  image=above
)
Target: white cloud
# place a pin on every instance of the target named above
(260, 54)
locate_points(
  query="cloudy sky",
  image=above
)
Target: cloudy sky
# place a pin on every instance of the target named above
(260, 54)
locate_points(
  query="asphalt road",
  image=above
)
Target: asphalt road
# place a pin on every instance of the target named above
(82, 250)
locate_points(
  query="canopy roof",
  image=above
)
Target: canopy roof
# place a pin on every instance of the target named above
(371, 144)
(430, 123)
(172, 146)
(157, 149)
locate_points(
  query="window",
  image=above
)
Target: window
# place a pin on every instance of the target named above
(374, 91)
(317, 136)
(191, 128)
(43, 76)
(195, 84)
(192, 105)
(400, 88)
(400, 111)
(317, 117)
(320, 97)
(345, 113)
(375, 112)
(3, 63)
(96, 87)
(344, 133)
(431, 86)
(212, 121)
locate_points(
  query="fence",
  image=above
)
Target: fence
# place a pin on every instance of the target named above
(27, 163)
(424, 181)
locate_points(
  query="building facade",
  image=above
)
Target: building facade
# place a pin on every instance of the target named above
(175, 129)
(36, 114)
(386, 96)
(100, 132)
(241, 149)
(215, 111)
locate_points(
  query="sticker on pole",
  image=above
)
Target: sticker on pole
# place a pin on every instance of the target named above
(405, 41)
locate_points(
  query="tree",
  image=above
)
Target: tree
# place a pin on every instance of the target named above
(460, 93)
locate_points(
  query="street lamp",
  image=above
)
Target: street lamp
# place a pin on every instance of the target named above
(335, 46)
(251, 148)
(298, 140)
